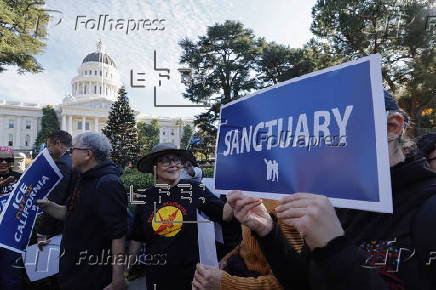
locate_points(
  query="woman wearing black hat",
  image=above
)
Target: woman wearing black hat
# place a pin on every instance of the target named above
(166, 222)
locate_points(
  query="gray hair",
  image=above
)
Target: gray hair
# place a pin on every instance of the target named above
(96, 142)
(404, 142)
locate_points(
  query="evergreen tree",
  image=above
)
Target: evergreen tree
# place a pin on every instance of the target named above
(148, 135)
(222, 62)
(49, 124)
(279, 63)
(122, 132)
(22, 31)
(187, 133)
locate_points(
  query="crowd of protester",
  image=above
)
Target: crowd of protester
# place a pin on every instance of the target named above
(300, 242)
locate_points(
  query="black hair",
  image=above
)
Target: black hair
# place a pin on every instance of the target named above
(63, 137)
(426, 144)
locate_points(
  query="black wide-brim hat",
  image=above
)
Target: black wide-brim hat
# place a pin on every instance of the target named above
(146, 163)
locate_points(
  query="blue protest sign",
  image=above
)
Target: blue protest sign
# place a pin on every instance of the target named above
(20, 211)
(3, 200)
(322, 133)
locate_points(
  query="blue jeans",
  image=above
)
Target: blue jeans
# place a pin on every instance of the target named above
(11, 270)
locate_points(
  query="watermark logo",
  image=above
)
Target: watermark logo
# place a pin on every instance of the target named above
(107, 23)
(138, 80)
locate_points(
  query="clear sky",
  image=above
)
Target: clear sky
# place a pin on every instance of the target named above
(282, 21)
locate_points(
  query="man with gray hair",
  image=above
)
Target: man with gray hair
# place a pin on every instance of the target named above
(95, 219)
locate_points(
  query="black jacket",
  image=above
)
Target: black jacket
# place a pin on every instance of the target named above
(379, 251)
(48, 225)
(96, 214)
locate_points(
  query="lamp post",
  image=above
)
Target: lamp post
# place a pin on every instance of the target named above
(186, 76)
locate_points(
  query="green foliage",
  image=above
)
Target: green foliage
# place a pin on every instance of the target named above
(208, 172)
(187, 133)
(121, 131)
(394, 29)
(22, 33)
(148, 135)
(321, 54)
(49, 124)
(139, 180)
(221, 62)
(279, 63)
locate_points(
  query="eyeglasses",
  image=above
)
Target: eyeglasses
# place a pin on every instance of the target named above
(166, 161)
(8, 160)
(77, 148)
(431, 159)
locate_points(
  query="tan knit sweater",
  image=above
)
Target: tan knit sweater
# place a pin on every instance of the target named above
(254, 259)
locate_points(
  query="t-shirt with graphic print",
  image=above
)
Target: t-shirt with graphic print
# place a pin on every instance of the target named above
(173, 246)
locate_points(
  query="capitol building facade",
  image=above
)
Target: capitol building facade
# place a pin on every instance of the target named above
(86, 109)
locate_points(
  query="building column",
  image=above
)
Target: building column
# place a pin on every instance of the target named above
(96, 124)
(70, 124)
(18, 134)
(64, 122)
(83, 123)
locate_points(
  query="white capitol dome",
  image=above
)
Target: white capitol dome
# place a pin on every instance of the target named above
(98, 77)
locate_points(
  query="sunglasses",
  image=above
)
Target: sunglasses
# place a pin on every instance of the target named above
(8, 160)
(431, 159)
(166, 161)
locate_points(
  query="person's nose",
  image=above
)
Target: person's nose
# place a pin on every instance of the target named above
(174, 163)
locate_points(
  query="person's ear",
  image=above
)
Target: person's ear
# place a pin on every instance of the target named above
(89, 154)
(395, 126)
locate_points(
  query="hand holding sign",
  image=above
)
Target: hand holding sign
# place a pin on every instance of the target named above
(250, 212)
(7, 181)
(41, 242)
(55, 210)
(44, 204)
(206, 277)
(313, 216)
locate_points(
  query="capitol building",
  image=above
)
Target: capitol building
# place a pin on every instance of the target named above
(86, 109)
